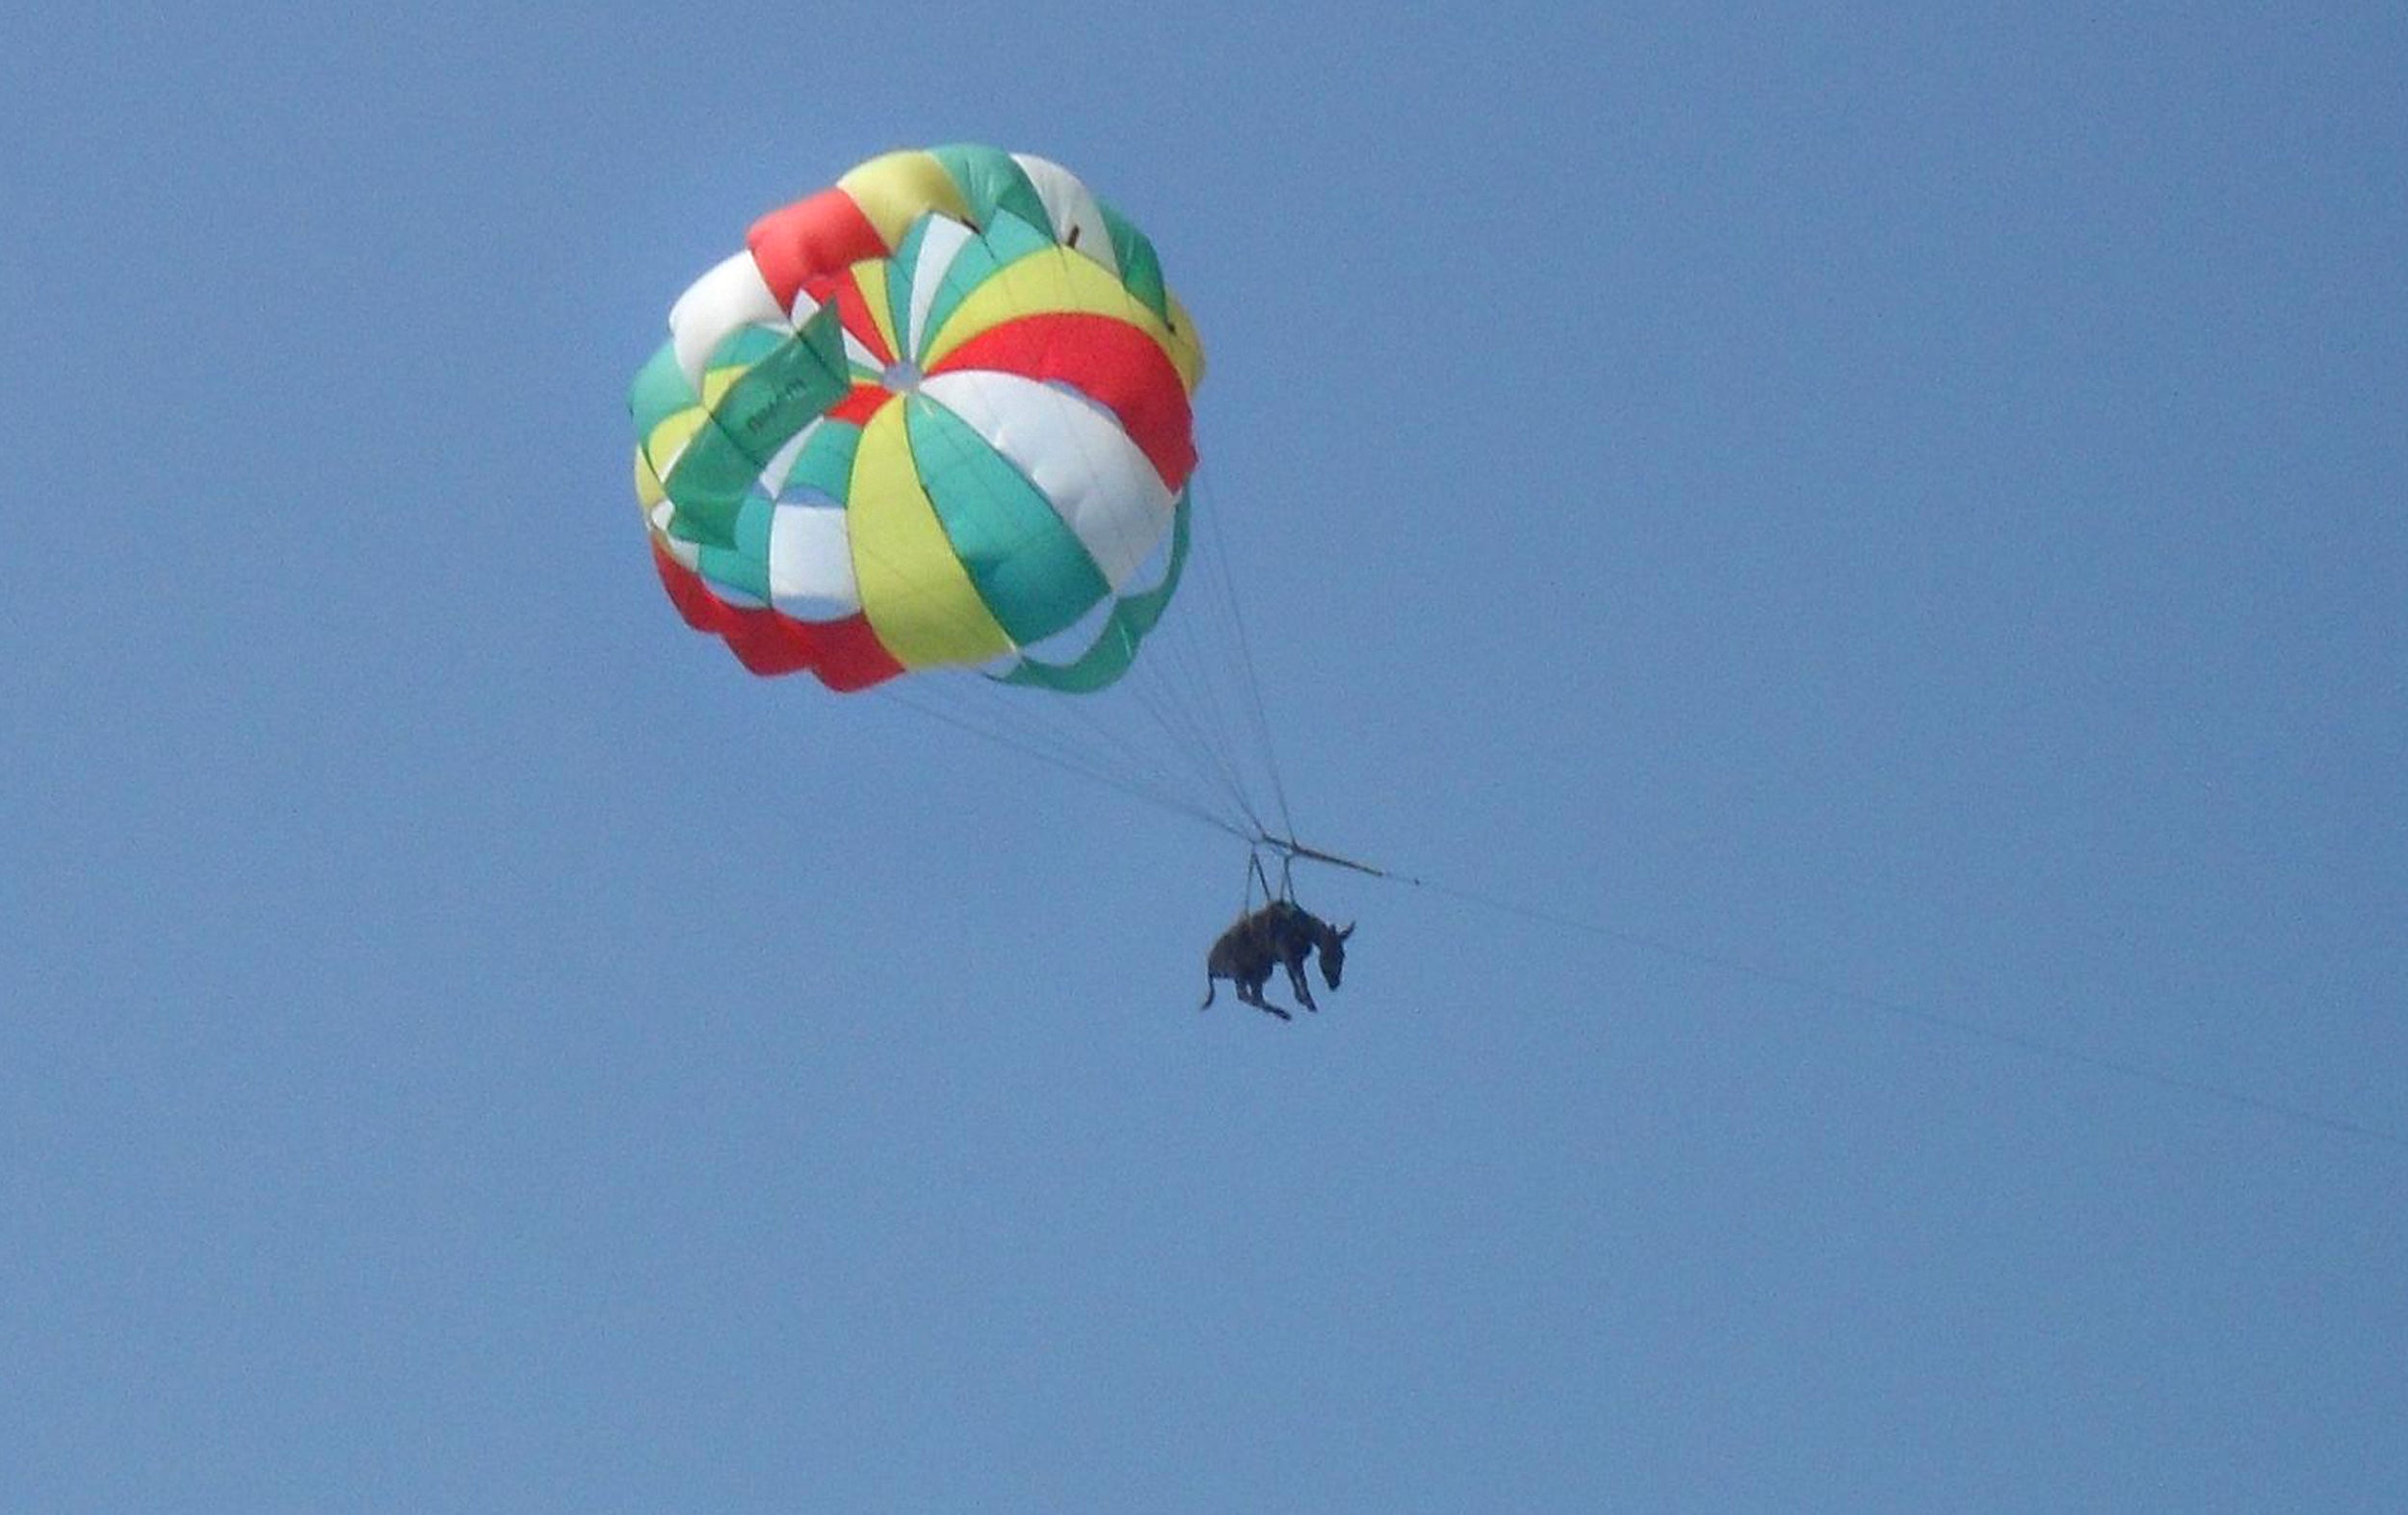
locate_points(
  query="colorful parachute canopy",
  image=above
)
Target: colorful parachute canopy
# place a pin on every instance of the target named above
(936, 416)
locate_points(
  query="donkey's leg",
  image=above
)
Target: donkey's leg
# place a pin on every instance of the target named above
(1251, 990)
(1303, 989)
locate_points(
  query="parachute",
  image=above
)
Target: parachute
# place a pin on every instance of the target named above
(936, 416)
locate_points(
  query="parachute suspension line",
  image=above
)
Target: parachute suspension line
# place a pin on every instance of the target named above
(1177, 689)
(1168, 688)
(1180, 687)
(980, 707)
(1090, 719)
(1155, 795)
(1248, 676)
(1176, 686)
(1188, 712)
(1072, 735)
(1167, 683)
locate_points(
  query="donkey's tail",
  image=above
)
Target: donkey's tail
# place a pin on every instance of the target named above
(1212, 986)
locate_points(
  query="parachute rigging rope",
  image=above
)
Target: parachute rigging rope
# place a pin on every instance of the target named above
(1252, 683)
(1290, 852)
(1855, 999)
(1151, 793)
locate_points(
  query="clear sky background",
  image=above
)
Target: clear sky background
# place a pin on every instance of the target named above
(1908, 499)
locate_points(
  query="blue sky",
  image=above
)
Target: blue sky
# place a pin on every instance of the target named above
(1907, 499)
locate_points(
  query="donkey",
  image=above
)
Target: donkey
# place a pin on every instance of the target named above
(1277, 935)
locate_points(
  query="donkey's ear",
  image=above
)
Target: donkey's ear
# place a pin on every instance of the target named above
(1345, 931)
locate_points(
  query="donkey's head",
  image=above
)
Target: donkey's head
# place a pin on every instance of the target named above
(1331, 941)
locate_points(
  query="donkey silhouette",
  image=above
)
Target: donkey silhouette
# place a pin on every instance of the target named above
(1278, 936)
